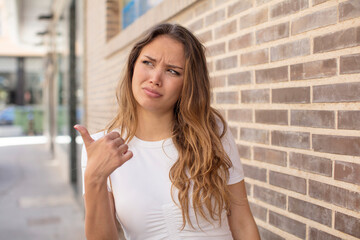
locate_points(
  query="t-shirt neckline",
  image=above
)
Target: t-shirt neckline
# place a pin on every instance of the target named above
(151, 144)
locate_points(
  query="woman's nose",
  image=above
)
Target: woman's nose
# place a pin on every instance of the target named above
(155, 77)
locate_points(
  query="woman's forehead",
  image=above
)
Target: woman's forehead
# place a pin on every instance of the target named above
(165, 48)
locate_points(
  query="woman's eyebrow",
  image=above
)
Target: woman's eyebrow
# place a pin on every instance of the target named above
(168, 65)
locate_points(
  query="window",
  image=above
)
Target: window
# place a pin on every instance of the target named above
(133, 9)
(122, 13)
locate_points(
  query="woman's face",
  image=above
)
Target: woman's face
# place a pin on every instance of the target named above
(158, 75)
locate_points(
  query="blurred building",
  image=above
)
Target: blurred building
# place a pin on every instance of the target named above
(64, 76)
(21, 66)
(285, 74)
(41, 74)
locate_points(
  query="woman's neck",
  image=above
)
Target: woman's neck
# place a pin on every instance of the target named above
(154, 126)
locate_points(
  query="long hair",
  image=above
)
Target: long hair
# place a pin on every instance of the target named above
(201, 172)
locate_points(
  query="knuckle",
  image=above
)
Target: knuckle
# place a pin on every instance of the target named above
(114, 134)
(123, 148)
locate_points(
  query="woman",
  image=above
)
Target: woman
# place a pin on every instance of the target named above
(166, 167)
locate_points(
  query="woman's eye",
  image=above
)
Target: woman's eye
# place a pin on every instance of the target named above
(147, 63)
(174, 72)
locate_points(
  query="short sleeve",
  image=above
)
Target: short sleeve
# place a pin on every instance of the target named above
(236, 172)
(95, 136)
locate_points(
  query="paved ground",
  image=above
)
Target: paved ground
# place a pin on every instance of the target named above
(36, 203)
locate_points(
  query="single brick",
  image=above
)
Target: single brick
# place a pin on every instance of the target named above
(254, 58)
(349, 120)
(225, 29)
(205, 36)
(344, 145)
(258, 211)
(270, 156)
(314, 69)
(313, 118)
(240, 78)
(349, 10)
(279, 117)
(337, 40)
(309, 163)
(335, 195)
(347, 224)
(226, 63)
(350, 64)
(254, 135)
(218, 81)
(290, 50)
(314, 20)
(255, 172)
(216, 49)
(287, 224)
(215, 17)
(310, 211)
(269, 196)
(291, 95)
(293, 183)
(290, 139)
(244, 151)
(287, 7)
(270, 75)
(227, 97)
(342, 92)
(254, 18)
(242, 41)
(268, 235)
(316, 234)
(239, 7)
(347, 172)
(272, 33)
(255, 96)
(197, 25)
(240, 115)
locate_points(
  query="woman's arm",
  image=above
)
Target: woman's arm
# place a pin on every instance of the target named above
(241, 221)
(100, 221)
(103, 157)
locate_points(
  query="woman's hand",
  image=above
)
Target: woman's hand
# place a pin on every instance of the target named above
(104, 155)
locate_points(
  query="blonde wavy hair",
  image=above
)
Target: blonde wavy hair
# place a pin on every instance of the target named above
(201, 172)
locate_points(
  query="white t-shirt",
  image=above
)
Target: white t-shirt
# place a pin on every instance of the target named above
(142, 193)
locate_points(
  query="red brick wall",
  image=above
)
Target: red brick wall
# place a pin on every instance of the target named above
(286, 76)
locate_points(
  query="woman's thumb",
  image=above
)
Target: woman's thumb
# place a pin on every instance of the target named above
(84, 134)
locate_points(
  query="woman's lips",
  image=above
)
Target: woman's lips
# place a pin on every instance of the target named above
(152, 93)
